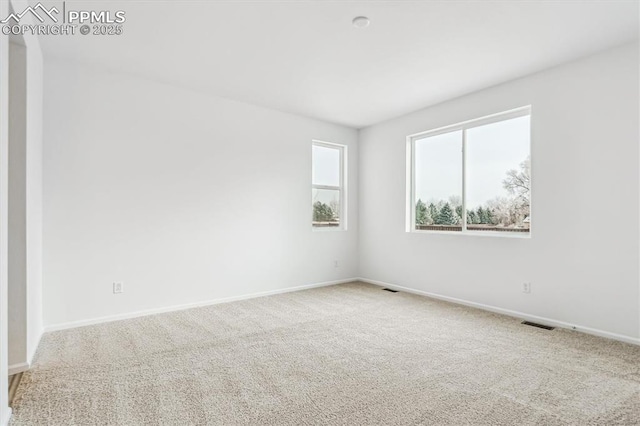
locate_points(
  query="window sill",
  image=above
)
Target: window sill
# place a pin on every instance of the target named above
(327, 228)
(490, 234)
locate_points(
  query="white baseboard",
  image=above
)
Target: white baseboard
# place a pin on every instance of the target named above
(20, 367)
(7, 417)
(136, 314)
(516, 314)
(34, 348)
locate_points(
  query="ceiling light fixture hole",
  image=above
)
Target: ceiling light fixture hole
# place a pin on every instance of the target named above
(361, 22)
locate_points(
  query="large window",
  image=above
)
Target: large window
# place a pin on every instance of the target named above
(473, 177)
(328, 183)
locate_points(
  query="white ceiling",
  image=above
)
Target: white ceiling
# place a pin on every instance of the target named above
(305, 57)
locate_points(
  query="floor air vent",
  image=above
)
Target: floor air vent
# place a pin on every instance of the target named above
(388, 289)
(535, 324)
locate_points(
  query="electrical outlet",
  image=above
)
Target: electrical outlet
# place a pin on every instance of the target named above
(118, 287)
(526, 288)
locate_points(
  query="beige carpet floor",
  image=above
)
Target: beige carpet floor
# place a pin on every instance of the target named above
(350, 354)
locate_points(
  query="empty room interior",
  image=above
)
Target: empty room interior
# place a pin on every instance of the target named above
(319, 212)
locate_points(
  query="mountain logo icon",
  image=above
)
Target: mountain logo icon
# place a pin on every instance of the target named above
(36, 11)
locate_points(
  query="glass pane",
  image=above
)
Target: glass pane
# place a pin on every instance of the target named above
(438, 182)
(326, 166)
(326, 207)
(498, 176)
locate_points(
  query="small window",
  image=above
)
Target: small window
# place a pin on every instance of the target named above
(473, 177)
(328, 182)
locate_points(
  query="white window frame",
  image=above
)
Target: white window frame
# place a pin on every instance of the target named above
(342, 188)
(463, 126)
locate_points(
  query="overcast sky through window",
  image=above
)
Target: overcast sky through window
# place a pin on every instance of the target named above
(326, 171)
(326, 166)
(492, 150)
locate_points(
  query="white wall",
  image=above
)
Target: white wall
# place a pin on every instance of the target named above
(17, 292)
(182, 196)
(34, 189)
(25, 199)
(582, 259)
(5, 411)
